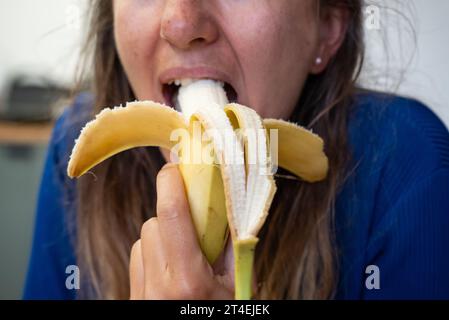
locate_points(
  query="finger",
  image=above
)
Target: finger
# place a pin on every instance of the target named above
(176, 228)
(154, 262)
(136, 272)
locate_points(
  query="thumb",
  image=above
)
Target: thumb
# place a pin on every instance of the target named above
(176, 228)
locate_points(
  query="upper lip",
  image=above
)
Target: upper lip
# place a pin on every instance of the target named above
(179, 73)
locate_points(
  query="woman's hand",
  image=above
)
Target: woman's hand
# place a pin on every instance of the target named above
(167, 262)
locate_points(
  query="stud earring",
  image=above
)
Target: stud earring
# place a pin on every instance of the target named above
(318, 61)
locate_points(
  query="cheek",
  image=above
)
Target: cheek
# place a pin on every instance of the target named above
(275, 53)
(136, 38)
(126, 37)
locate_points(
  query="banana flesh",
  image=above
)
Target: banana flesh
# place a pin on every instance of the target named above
(194, 95)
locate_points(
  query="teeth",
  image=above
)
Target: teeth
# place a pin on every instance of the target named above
(187, 81)
(181, 82)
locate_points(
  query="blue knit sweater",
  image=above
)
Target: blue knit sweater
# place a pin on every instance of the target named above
(392, 215)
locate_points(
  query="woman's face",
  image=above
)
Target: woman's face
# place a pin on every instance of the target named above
(264, 49)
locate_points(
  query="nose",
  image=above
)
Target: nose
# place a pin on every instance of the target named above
(187, 23)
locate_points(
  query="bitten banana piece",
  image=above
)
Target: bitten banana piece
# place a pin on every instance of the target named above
(229, 180)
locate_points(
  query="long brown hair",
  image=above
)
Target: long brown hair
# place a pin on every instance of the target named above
(296, 256)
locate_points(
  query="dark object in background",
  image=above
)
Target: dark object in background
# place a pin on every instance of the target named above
(31, 99)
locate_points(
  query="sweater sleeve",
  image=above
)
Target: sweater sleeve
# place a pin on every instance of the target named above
(51, 251)
(409, 247)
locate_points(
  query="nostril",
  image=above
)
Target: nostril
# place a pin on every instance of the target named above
(197, 41)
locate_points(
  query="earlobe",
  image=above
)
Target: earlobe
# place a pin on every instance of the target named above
(318, 64)
(333, 29)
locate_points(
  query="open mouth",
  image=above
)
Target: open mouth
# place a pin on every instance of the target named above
(170, 92)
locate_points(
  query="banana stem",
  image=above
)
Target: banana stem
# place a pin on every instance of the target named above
(243, 267)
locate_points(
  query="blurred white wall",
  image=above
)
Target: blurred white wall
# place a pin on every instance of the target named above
(429, 77)
(42, 37)
(420, 52)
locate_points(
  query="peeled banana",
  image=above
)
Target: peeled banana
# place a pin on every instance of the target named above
(229, 180)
